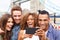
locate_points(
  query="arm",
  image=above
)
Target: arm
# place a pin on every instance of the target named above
(41, 34)
(1, 31)
(43, 38)
(20, 35)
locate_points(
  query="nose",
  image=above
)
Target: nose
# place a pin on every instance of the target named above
(11, 24)
(17, 17)
(29, 21)
(42, 22)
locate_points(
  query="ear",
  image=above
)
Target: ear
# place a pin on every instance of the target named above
(49, 20)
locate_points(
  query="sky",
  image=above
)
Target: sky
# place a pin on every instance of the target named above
(53, 6)
(26, 5)
(4, 5)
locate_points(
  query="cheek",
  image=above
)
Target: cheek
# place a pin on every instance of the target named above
(33, 21)
(7, 24)
(47, 22)
(20, 17)
(14, 17)
(27, 22)
(39, 22)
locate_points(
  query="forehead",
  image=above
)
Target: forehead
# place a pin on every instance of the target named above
(30, 16)
(10, 19)
(43, 16)
(17, 12)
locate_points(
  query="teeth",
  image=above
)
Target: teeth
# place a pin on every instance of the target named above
(30, 25)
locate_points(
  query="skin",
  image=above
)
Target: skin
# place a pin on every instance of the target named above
(9, 24)
(43, 21)
(17, 16)
(1, 31)
(30, 21)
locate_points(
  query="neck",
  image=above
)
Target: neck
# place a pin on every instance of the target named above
(46, 28)
(31, 26)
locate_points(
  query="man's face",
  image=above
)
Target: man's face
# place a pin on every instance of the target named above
(43, 21)
(17, 16)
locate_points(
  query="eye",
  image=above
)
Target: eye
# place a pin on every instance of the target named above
(8, 21)
(39, 19)
(45, 19)
(15, 16)
(19, 15)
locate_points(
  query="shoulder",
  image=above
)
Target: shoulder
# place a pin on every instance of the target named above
(22, 31)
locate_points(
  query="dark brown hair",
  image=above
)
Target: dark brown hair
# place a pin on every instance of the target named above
(44, 12)
(0, 24)
(24, 20)
(4, 19)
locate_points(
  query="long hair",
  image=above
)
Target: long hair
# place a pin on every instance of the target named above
(4, 19)
(23, 23)
(0, 24)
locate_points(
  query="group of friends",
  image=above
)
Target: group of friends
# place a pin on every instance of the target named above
(13, 26)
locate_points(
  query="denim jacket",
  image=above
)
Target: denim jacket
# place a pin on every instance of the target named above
(53, 34)
(15, 31)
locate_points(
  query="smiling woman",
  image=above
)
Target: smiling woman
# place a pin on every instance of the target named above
(7, 24)
(1, 31)
(28, 20)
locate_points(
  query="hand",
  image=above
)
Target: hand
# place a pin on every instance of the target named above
(27, 35)
(40, 32)
(1, 31)
(24, 35)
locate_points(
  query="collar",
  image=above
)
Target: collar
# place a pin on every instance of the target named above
(16, 24)
(50, 28)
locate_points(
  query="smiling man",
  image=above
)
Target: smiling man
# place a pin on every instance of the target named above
(16, 13)
(46, 29)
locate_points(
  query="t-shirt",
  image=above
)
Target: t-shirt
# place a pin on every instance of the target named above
(34, 37)
(1, 37)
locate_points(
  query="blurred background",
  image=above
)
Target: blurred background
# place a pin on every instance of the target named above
(52, 6)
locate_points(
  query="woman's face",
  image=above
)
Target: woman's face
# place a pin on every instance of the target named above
(9, 24)
(30, 21)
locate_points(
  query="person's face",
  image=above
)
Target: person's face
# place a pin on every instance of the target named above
(9, 24)
(17, 16)
(43, 21)
(30, 21)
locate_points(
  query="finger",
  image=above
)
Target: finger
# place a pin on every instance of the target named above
(39, 30)
(40, 33)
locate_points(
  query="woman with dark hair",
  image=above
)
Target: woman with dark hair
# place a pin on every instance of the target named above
(1, 31)
(29, 20)
(6, 24)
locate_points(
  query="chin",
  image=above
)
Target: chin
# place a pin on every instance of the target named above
(17, 22)
(8, 30)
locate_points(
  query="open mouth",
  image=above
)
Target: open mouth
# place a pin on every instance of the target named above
(30, 25)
